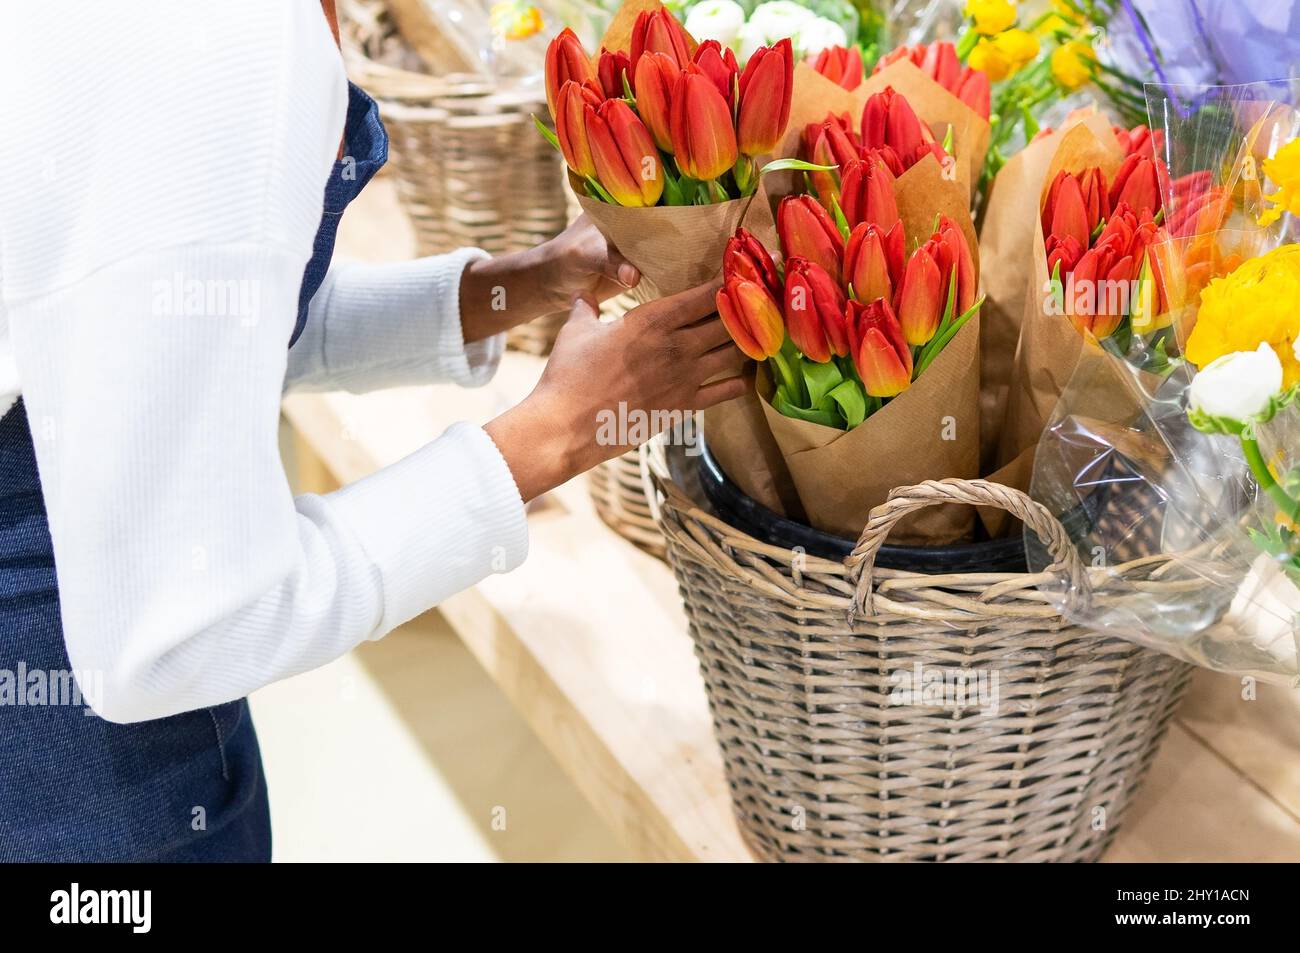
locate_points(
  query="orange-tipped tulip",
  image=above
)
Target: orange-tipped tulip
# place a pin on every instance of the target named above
(1137, 183)
(873, 261)
(806, 231)
(658, 31)
(703, 138)
(571, 126)
(867, 193)
(833, 141)
(745, 257)
(627, 162)
(766, 87)
(840, 65)
(955, 253)
(720, 66)
(610, 69)
(1097, 303)
(920, 297)
(1068, 213)
(880, 353)
(656, 79)
(566, 60)
(752, 317)
(814, 311)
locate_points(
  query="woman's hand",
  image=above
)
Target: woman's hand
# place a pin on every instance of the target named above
(497, 294)
(606, 379)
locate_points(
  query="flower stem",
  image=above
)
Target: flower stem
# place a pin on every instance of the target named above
(1289, 507)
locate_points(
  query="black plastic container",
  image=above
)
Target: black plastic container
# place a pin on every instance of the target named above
(732, 505)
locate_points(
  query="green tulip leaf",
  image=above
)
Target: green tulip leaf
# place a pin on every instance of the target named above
(852, 402)
(799, 165)
(827, 418)
(547, 132)
(820, 379)
(596, 190)
(940, 341)
(841, 222)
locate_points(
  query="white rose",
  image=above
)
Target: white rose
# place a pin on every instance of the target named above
(751, 38)
(778, 19)
(1237, 386)
(719, 20)
(818, 34)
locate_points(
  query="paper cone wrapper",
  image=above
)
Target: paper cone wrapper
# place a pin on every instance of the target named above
(676, 247)
(743, 446)
(1049, 345)
(1006, 245)
(841, 475)
(618, 35)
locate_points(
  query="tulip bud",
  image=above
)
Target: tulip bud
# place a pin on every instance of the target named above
(973, 90)
(655, 81)
(766, 87)
(1064, 214)
(1097, 305)
(873, 260)
(879, 350)
(1136, 183)
(919, 301)
(719, 65)
(888, 120)
(840, 65)
(814, 311)
(700, 124)
(832, 141)
(611, 67)
(942, 65)
(571, 126)
(1063, 251)
(752, 317)
(627, 162)
(746, 257)
(867, 193)
(657, 31)
(955, 252)
(806, 231)
(565, 60)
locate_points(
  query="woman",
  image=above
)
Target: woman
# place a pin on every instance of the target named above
(163, 280)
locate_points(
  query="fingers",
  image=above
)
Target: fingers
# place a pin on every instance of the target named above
(706, 335)
(722, 362)
(689, 306)
(718, 392)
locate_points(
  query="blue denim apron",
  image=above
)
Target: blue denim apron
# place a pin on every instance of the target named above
(74, 787)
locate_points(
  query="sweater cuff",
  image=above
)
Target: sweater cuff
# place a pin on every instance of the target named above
(437, 521)
(469, 365)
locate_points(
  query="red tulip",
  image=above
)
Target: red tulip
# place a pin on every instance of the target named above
(806, 231)
(888, 120)
(752, 317)
(611, 67)
(571, 126)
(720, 66)
(1067, 212)
(867, 192)
(627, 162)
(746, 257)
(657, 31)
(1136, 183)
(916, 54)
(1065, 251)
(814, 311)
(840, 65)
(873, 260)
(973, 90)
(1140, 140)
(766, 87)
(655, 81)
(879, 350)
(1097, 303)
(919, 301)
(700, 124)
(942, 65)
(566, 60)
(955, 253)
(939, 61)
(833, 141)
(1130, 232)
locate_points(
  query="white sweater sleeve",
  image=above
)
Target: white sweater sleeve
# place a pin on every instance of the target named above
(372, 326)
(188, 574)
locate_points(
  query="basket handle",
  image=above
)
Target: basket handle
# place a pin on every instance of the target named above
(905, 500)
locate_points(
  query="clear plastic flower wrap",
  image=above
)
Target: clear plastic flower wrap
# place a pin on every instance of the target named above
(1173, 456)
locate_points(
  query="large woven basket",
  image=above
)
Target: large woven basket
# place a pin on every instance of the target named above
(804, 659)
(470, 167)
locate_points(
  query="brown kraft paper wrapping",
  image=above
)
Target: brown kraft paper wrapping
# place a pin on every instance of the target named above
(742, 444)
(1006, 246)
(841, 475)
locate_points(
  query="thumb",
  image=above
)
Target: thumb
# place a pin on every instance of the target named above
(619, 268)
(584, 308)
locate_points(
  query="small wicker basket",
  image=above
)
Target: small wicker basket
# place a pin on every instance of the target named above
(804, 659)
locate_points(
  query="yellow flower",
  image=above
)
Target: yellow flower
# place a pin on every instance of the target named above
(990, 60)
(1072, 64)
(991, 16)
(1255, 304)
(1020, 46)
(515, 20)
(1283, 169)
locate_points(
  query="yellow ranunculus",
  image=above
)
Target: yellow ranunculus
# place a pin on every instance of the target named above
(1283, 170)
(990, 60)
(991, 16)
(1072, 64)
(1255, 304)
(1020, 46)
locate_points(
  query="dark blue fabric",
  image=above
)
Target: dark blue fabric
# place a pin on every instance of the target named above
(74, 787)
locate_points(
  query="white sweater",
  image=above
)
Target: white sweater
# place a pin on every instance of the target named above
(147, 146)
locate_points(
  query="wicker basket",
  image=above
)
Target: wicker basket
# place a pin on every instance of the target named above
(803, 660)
(471, 169)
